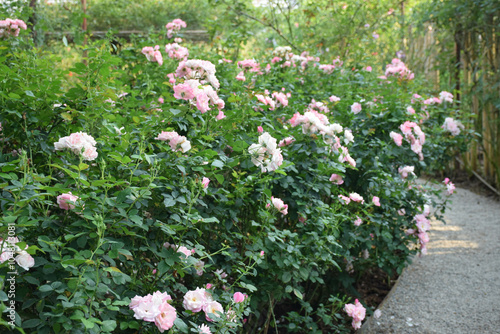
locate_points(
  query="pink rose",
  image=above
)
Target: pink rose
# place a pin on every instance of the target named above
(205, 182)
(65, 201)
(336, 179)
(165, 320)
(214, 308)
(376, 201)
(356, 108)
(25, 260)
(238, 297)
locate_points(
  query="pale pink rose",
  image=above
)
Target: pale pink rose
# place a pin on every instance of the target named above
(220, 116)
(410, 110)
(398, 139)
(279, 205)
(262, 253)
(285, 142)
(147, 309)
(202, 101)
(238, 297)
(25, 260)
(183, 91)
(334, 98)
(260, 129)
(446, 180)
(336, 179)
(346, 200)
(358, 221)
(446, 96)
(5, 256)
(356, 198)
(376, 201)
(450, 188)
(213, 308)
(205, 182)
(368, 68)
(241, 76)
(204, 329)
(65, 201)
(89, 153)
(165, 320)
(356, 108)
(405, 171)
(194, 300)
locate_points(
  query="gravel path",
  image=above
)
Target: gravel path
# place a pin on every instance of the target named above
(455, 288)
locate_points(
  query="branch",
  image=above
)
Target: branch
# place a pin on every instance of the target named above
(267, 25)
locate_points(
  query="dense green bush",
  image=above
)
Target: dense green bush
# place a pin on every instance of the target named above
(144, 218)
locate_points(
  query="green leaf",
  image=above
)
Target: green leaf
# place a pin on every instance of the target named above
(31, 323)
(88, 324)
(217, 163)
(287, 276)
(219, 178)
(108, 325)
(297, 293)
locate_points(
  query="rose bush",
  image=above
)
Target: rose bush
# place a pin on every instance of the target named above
(160, 192)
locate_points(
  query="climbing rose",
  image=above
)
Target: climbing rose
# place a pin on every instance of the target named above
(405, 171)
(214, 308)
(204, 329)
(165, 320)
(336, 179)
(358, 221)
(398, 139)
(195, 300)
(238, 297)
(25, 260)
(356, 108)
(376, 201)
(65, 200)
(205, 182)
(357, 312)
(356, 197)
(279, 205)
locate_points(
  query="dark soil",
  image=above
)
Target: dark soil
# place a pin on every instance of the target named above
(374, 286)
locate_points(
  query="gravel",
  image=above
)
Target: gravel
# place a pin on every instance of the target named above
(455, 288)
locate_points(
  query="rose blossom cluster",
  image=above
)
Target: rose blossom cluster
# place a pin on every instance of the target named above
(452, 126)
(446, 96)
(199, 85)
(357, 312)
(313, 122)
(153, 54)
(422, 226)
(450, 187)
(405, 171)
(398, 69)
(155, 308)
(8, 247)
(413, 135)
(276, 100)
(174, 26)
(355, 197)
(329, 68)
(79, 143)
(319, 106)
(248, 66)
(10, 27)
(176, 141)
(175, 51)
(279, 205)
(201, 299)
(266, 153)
